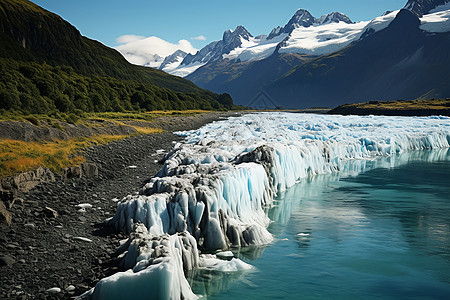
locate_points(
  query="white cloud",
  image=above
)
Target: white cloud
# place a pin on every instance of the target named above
(149, 51)
(125, 39)
(199, 38)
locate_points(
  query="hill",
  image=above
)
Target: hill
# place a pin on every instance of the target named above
(46, 64)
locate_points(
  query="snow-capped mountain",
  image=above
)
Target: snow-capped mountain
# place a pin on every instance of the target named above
(241, 45)
(215, 50)
(405, 61)
(303, 18)
(303, 34)
(336, 63)
(152, 60)
(172, 61)
(334, 17)
(243, 65)
(329, 36)
(211, 52)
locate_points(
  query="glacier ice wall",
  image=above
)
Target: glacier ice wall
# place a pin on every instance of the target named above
(213, 189)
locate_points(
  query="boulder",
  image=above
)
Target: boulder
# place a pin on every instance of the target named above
(26, 181)
(5, 216)
(85, 170)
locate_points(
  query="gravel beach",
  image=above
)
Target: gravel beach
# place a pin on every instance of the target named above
(56, 246)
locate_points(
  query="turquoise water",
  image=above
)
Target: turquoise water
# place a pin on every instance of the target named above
(377, 230)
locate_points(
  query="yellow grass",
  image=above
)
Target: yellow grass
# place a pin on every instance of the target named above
(146, 130)
(140, 129)
(19, 156)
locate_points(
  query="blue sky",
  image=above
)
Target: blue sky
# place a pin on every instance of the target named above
(107, 20)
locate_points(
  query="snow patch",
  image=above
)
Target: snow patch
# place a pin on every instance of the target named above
(438, 21)
(185, 70)
(255, 48)
(328, 38)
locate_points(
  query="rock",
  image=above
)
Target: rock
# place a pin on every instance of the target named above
(6, 261)
(26, 181)
(6, 196)
(5, 216)
(85, 170)
(71, 172)
(50, 212)
(70, 288)
(54, 290)
(83, 239)
(89, 170)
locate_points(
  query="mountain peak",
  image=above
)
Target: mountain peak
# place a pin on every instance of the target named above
(215, 50)
(301, 18)
(177, 56)
(422, 7)
(240, 31)
(334, 17)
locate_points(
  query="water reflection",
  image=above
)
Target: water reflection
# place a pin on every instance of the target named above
(291, 200)
(209, 282)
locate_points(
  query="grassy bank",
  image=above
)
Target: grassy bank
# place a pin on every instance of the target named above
(396, 108)
(19, 156)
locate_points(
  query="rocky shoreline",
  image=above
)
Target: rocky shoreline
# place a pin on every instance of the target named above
(56, 246)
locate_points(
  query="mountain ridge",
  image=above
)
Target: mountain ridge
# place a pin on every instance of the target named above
(405, 63)
(411, 70)
(224, 49)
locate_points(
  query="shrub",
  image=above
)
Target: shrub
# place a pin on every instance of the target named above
(72, 118)
(32, 120)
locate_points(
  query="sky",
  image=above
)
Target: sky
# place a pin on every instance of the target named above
(191, 25)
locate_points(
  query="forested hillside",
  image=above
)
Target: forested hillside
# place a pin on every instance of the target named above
(46, 64)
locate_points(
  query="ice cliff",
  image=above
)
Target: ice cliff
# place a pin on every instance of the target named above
(213, 189)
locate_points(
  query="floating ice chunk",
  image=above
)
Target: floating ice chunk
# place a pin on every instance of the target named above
(303, 234)
(211, 262)
(225, 254)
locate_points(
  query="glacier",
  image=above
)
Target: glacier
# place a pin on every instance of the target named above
(214, 188)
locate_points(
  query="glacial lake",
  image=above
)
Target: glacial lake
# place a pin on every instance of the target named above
(376, 230)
